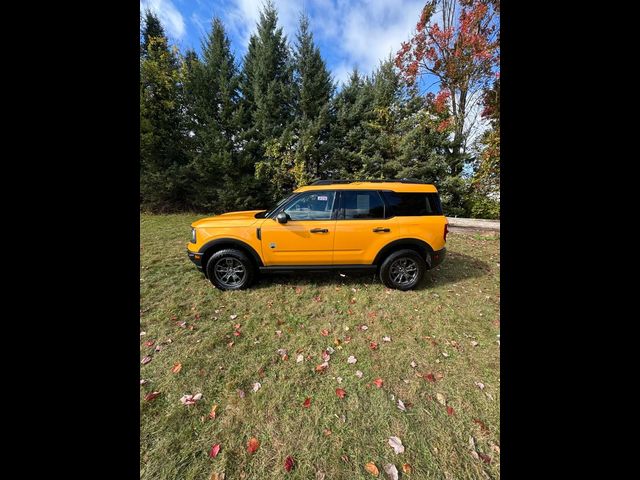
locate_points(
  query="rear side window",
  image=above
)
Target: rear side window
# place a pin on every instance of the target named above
(363, 204)
(412, 204)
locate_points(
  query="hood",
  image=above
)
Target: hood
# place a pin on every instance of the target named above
(239, 219)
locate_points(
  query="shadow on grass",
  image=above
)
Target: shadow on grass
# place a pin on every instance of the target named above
(456, 267)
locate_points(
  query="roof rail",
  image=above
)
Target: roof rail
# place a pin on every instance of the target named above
(386, 180)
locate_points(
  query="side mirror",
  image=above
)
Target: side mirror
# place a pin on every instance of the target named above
(282, 217)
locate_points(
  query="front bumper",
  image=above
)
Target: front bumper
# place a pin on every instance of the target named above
(437, 257)
(196, 258)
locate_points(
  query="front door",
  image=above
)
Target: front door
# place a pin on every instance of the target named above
(307, 237)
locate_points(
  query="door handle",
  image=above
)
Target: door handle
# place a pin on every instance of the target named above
(380, 229)
(319, 230)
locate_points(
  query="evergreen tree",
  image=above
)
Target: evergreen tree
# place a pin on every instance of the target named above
(162, 151)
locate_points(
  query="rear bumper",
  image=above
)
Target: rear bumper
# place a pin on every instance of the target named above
(196, 258)
(437, 257)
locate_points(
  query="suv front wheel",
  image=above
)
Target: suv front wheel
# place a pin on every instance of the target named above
(403, 269)
(230, 269)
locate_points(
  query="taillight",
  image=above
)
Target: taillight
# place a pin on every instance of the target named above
(446, 230)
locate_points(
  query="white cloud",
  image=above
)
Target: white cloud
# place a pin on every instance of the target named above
(169, 16)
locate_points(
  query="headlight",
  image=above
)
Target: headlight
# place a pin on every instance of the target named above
(193, 235)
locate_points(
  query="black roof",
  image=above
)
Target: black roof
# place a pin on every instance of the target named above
(386, 180)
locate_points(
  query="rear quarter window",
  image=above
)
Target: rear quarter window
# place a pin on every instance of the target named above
(412, 204)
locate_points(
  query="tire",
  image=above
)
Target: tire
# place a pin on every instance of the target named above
(403, 270)
(235, 270)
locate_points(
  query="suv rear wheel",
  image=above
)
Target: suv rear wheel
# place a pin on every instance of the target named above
(230, 269)
(403, 269)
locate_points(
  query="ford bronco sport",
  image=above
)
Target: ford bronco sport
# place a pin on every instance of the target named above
(395, 227)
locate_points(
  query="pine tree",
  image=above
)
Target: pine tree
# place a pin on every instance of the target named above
(163, 157)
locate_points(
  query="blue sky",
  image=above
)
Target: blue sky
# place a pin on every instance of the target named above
(349, 32)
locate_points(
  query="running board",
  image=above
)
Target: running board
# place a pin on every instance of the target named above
(290, 268)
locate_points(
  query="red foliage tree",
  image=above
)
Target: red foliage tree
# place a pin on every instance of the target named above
(457, 43)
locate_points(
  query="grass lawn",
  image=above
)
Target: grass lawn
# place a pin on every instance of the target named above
(193, 324)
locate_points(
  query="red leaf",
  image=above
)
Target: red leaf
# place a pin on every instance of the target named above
(214, 450)
(378, 382)
(373, 345)
(485, 458)
(151, 396)
(480, 423)
(237, 333)
(149, 343)
(430, 377)
(288, 464)
(340, 392)
(450, 411)
(252, 445)
(307, 403)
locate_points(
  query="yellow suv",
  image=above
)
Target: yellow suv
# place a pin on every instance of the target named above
(393, 226)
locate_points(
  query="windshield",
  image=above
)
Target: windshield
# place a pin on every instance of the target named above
(278, 205)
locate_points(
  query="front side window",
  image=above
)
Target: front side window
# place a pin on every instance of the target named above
(362, 205)
(312, 206)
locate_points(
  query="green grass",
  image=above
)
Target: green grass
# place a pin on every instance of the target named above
(458, 301)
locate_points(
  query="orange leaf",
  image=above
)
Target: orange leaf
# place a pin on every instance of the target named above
(212, 413)
(340, 392)
(450, 411)
(252, 445)
(176, 368)
(372, 469)
(378, 382)
(406, 468)
(373, 345)
(307, 403)
(325, 332)
(214, 450)
(321, 368)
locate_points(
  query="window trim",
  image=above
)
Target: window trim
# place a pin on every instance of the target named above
(334, 211)
(341, 212)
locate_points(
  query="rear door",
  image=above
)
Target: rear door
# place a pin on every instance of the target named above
(307, 237)
(361, 227)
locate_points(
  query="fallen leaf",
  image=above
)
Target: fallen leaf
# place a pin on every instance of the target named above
(279, 333)
(391, 471)
(300, 358)
(212, 413)
(307, 402)
(372, 469)
(479, 385)
(149, 343)
(414, 364)
(256, 386)
(240, 393)
(142, 381)
(364, 327)
(406, 468)
(326, 432)
(347, 339)
(345, 458)
(474, 343)
(325, 332)
(176, 368)
(359, 374)
(450, 411)
(217, 476)
(325, 356)
(330, 350)
(396, 444)
(288, 464)
(378, 382)
(352, 359)
(317, 298)
(339, 379)
(445, 354)
(485, 458)
(282, 352)
(430, 377)
(285, 357)
(252, 445)
(320, 475)
(214, 450)
(145, 360)
(441, 399)
(386, 339)
(472, 447)
(482, 426)
(439, 376)
(158, 348)
(142, 334)
(401, 405)
(233, 317)
(150, 396)
(373, 345)
(230, 344)
(322, 367)
(190, 399)
(340, 392)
